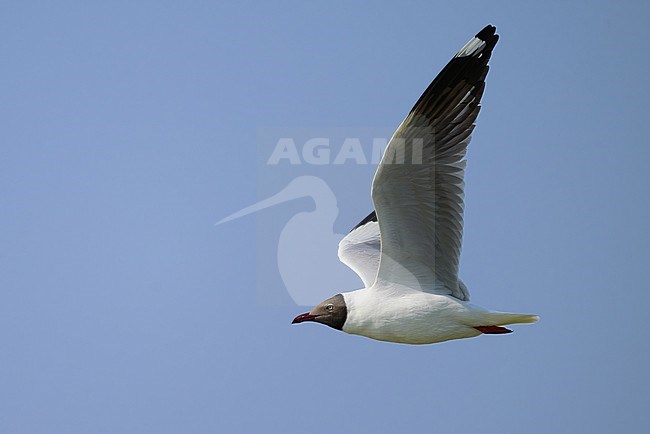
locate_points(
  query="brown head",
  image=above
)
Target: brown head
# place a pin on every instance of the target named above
(332, 312)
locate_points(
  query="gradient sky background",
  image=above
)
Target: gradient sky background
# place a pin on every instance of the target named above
(128, 128)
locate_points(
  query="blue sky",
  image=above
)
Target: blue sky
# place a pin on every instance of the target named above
(128, 129)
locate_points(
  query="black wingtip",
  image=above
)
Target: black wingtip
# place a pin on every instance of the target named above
(487, 33)
(372, 217)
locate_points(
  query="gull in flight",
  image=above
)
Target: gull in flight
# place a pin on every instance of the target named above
(407, 251)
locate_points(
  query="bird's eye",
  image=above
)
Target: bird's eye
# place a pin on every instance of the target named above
(329, 307)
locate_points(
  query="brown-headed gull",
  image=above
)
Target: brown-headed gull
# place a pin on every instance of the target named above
(407, 251)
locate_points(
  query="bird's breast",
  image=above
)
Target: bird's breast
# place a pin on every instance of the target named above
(418, 318)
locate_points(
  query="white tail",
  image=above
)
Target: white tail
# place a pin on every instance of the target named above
(500, 318)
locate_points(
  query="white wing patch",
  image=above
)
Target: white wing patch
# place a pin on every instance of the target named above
(474, 46)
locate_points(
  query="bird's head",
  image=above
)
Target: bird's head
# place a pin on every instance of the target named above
(332, 312)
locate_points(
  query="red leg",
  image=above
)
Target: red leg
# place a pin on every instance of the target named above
(493, 330)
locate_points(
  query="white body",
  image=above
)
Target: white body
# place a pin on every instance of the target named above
(399, 314)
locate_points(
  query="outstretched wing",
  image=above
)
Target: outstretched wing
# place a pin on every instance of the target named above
(418, 187)
(360, 249)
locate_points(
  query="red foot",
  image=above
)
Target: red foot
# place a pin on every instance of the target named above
(493, 330)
